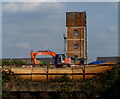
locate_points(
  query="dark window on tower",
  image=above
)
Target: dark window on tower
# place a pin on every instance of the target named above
(75, 46)
(75, 32)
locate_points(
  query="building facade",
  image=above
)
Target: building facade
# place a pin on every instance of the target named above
(76, 35)
(115, 60)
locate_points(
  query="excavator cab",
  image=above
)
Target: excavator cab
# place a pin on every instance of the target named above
(61, 60)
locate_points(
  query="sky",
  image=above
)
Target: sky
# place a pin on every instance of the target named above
(118, 29)
(40, 25)
(60, 0)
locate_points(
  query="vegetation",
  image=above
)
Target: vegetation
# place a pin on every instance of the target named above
(6, 75)
(0, 84)
(43, 64)
(98, 87)
(12, 62)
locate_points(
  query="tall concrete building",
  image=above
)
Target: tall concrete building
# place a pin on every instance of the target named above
(76, 35)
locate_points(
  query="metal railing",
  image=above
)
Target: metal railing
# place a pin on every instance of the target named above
(47, 68)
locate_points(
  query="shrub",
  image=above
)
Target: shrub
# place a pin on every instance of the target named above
(17, 62)
(6, 75)
(13, 62)
(100, 84)
(43, 64)
(5, 62)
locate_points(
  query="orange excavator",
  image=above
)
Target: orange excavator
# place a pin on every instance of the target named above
(60, 59)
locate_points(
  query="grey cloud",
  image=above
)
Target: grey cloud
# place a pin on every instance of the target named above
(43, 28)
(32, 30)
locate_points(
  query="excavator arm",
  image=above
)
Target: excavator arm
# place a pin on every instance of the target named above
(53, 54)
(40, 52)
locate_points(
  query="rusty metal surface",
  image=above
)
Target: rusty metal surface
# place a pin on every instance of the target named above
(75, 19)
(42, 74)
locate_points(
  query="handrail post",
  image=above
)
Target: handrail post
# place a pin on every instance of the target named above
(84, 73)
(47, 73)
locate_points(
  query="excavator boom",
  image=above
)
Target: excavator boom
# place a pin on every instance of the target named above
(33, 55)
(53, 54)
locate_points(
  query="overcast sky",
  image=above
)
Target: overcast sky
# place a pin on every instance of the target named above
(33, 26)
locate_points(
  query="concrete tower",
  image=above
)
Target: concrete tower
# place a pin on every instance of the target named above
(76, 35)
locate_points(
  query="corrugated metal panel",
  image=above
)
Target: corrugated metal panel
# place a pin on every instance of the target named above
(75, 19)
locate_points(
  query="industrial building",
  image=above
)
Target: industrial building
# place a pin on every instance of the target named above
(76, 35)
(109, 59)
